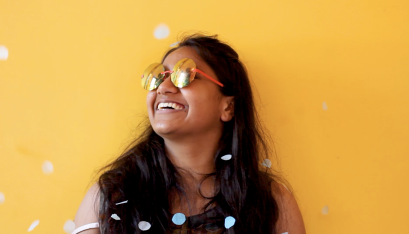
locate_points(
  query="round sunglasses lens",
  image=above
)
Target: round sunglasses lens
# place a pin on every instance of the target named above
(183, 73)
(152, 77)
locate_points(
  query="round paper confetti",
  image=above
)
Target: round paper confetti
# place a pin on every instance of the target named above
(161, 31)
(325, 210)
(69, 226)
(144, 226)
(178, 218)
(2, 198)
(4, 53)
(229, 222)
(47, 167)
(33, 225)
(115, 216)
(226, 157)
(324, 106)
(266, 163)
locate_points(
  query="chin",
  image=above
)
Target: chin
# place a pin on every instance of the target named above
(164, 131)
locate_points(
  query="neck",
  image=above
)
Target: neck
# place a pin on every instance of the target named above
(193, 154)
(194, 157)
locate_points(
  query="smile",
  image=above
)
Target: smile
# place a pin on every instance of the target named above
(170, 106)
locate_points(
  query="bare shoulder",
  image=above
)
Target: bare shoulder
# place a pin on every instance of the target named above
(290, 219)
(88, 211)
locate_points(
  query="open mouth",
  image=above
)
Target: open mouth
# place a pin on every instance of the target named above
(170, 106)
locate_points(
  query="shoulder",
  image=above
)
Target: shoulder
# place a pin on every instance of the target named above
(88, 210)
(290, 219)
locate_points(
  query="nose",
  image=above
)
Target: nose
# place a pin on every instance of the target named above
(167, 87)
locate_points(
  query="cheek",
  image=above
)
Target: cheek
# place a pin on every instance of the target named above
(206, 103)
(150, 99)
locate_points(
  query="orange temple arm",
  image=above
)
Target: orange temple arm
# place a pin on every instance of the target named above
(208, 77)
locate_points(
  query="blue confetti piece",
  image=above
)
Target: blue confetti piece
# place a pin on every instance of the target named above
(178, 218)
(229, 222)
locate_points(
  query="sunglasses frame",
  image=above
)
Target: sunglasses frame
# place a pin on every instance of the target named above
(156, 81)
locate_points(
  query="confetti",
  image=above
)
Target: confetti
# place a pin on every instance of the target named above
(266, 163)
(324, 106)
(115, 216)
(161, 31)
(284, 233)
(48, 167)
(69, 226)
(119, 203)
(4, 53)
(178, 218)
(144, 226)
(226, 157)
(174, 44)
(325, 210)
(33, 225)
(2, 198)
(229, 222)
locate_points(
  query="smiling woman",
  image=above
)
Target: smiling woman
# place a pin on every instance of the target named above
(196, 168)
(205, 110)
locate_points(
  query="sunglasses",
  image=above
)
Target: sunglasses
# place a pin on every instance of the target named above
(182, 75)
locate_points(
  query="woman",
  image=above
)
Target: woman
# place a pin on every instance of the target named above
(196, 167)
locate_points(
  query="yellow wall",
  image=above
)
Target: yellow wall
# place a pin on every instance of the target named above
(70, 94)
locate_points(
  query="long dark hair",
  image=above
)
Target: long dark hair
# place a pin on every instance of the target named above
(144, 175)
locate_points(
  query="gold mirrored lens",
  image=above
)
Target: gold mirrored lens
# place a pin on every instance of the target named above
(152, 77)
(183, 72)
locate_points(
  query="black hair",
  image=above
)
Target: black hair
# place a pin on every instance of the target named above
(145, 176)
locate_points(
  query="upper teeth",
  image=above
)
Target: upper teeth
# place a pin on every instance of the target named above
(170, 104)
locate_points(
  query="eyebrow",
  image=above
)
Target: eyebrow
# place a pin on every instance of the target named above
(166, 68)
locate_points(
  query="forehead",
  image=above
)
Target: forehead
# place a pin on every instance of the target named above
(181, 53)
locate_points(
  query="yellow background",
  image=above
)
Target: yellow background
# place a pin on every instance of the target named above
(70, 94)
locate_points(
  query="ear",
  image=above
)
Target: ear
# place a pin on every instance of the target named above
(228, 109)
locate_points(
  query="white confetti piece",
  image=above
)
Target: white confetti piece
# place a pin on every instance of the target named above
(161, 31)
(4, 53)
(144, 226)
(226, 157)
(119, 203)
(2, 198)
(33, 225)
(229, 222)
(174, 44)
(266, 163)
(325, 210)
(324, 106)
(284, 233)
(48, 167)
(115, 216)
(178, 218)
(69, 226)
(286, 187)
